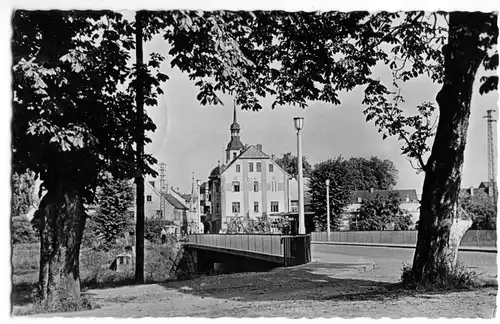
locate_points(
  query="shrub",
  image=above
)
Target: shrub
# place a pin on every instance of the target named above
(441, 277)
(153, 227)
(22, 231)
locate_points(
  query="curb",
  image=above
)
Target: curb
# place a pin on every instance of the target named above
(407, 246)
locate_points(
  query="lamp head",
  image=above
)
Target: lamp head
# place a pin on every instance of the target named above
(298, 122)
(198, 183)
(327, 182)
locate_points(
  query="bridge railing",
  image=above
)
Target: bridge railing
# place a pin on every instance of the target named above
(295, 249)
(259, 243)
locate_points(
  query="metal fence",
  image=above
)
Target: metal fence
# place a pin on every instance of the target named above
(470, 238)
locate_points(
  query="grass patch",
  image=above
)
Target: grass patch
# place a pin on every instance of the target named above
(441, 277)
(94, 274)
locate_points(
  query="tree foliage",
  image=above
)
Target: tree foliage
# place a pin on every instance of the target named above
(481, 208)
(373, 173)
(113, 220)
(335, 170)
(22, 231)
(23, 198)
(381, 213)
(289, 163)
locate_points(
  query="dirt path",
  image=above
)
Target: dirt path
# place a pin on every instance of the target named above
(314, 290)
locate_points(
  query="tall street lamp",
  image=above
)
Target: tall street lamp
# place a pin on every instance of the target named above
(198, 207)
(299, 124)
(328, 209)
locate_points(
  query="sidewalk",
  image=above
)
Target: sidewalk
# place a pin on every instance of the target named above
(485, 249)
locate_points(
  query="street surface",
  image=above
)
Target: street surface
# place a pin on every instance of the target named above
(389, 261)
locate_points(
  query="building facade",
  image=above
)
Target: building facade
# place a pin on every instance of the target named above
(249, 184)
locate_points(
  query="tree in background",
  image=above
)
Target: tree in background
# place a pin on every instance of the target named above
(114, 198)
(382, 213)
(22, 231)
(289, 163)
(481, 208)
(23, 198)
(335, 170)
(374, 173)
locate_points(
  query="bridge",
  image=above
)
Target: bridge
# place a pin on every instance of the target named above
(245, 249)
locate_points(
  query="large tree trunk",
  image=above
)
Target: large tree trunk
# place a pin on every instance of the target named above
(61, 224)
(440, 225)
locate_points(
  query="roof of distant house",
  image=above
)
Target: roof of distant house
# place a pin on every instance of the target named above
(484, 185)
(367, 194)
(174, 202)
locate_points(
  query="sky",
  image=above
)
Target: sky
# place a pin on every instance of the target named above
(192, 138)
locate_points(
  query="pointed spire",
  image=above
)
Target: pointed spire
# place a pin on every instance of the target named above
(234, 115)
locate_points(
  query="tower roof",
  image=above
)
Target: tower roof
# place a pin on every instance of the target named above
(235, 125)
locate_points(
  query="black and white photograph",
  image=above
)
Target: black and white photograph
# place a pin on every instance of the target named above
(263, 161)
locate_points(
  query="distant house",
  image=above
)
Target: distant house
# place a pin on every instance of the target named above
(175, 207)
(408, 198)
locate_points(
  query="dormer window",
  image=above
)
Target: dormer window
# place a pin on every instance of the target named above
(407, 198)
(360, 200)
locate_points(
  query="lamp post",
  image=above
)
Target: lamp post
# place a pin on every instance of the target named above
(198, 206)
(299, 124)
(328, 209)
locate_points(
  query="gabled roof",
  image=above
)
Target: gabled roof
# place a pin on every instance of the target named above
(366, 194)
(174, 202)
(252, 152)
(484, 184)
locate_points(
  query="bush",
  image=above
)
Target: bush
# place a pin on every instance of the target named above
(153, 227)
(22, 231)
(441, 277)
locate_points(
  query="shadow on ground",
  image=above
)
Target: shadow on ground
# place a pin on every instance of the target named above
(315, 281)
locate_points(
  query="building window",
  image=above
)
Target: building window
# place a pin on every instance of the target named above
(236, 207)
(275, 207)
(234, 155)
(360, 200)
(273, 186)
(256, 207)
(271, 168)
(295, 206)
(256, 186)
(236, 186)
(217, 208)
(217, 188)
(259, 167)
(238, 168)
(158, 214)
(250, 167)
(152, 183)
(149, 198)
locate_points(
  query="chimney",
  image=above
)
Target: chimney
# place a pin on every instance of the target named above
(371, 190)
(218, 164)
(273, 157)
(177, 189)
(259, 147)
(472, 191)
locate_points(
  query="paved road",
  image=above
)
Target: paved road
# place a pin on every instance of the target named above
(390, 260)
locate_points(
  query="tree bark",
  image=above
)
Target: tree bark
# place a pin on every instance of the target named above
(61, 224)
(441, 226)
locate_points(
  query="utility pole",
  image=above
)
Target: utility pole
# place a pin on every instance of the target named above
(139, 178)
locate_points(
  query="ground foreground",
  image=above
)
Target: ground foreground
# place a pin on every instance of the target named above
(346, 286)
